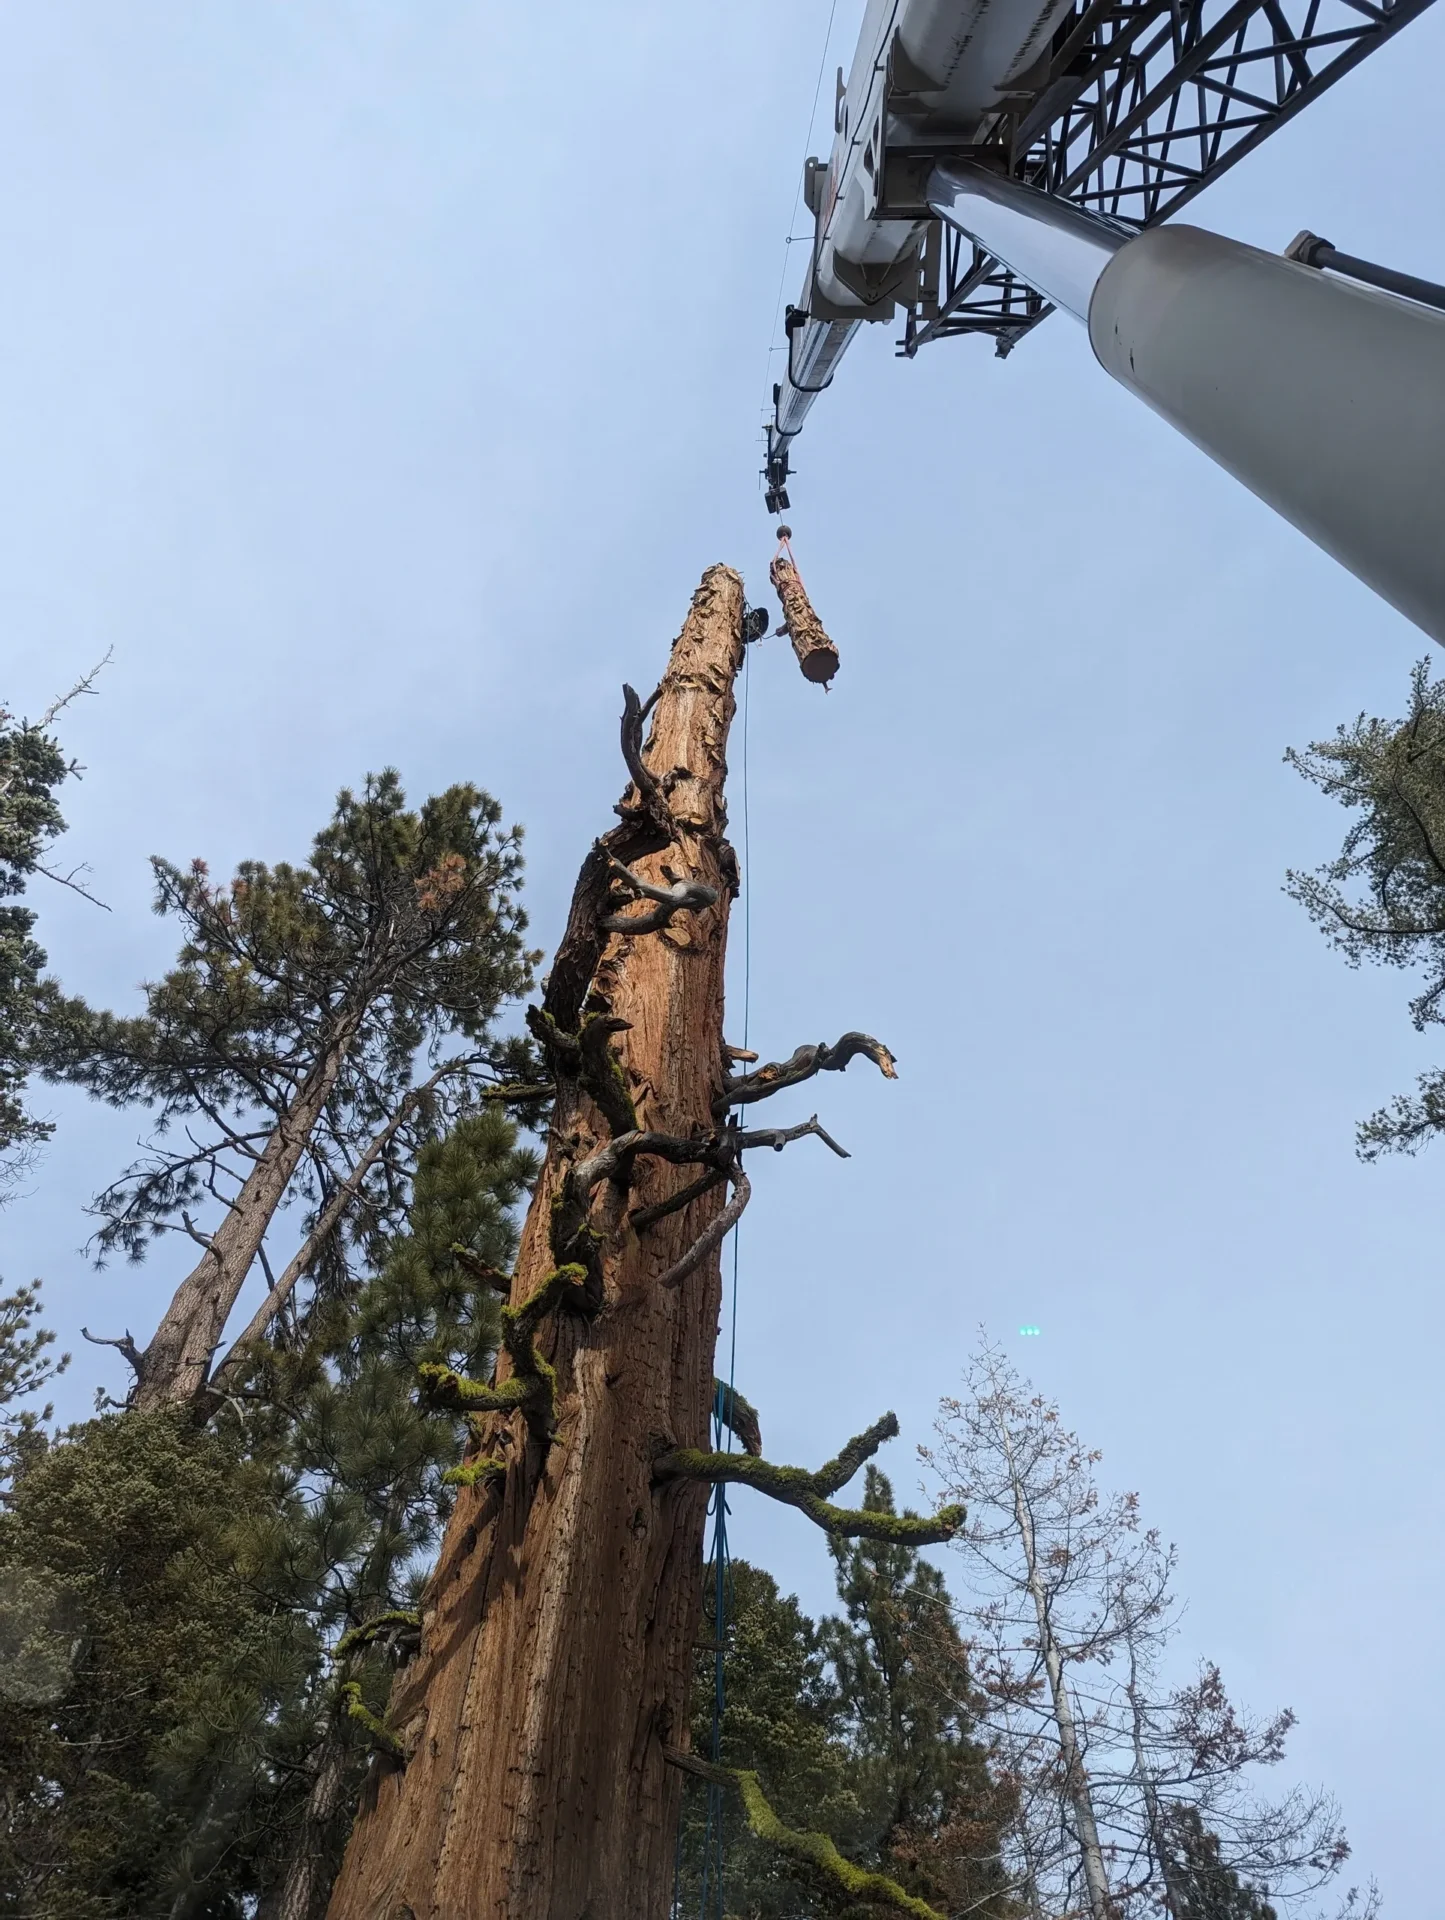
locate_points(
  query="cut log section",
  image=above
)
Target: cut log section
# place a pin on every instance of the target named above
(817, 655)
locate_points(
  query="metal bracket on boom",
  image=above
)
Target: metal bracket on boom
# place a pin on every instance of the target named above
(1311, 251)
(1138, 107)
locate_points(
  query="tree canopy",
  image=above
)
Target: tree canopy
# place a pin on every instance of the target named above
(1382, 899)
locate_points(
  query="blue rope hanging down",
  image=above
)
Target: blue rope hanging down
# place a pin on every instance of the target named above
(713, 1836)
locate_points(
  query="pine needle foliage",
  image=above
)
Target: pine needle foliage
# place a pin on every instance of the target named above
(361, 1466)
(1383, 898)
(857, 1726)
(118, 1611)
(178, 1736)
(1204, 1886)
(25, 1369)
(391, 948)
(32, 769)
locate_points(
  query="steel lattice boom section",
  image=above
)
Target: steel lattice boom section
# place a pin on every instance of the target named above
(1143, 104)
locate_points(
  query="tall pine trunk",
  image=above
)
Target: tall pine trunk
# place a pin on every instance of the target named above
(174, 1367)
(558, 1625)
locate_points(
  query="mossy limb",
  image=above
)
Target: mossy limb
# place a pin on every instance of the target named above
(380, 1735)
(443, 1387)
(532, 1388)
(816, 1851)
(738, 1415)
(476, 1473)
(374, 1629)
(799, 1488)
(600, 1071)
(839, 1471)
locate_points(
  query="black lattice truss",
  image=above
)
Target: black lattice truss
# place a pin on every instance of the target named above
(1144, 103)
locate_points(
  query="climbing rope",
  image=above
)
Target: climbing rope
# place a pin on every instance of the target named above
(721, 1558)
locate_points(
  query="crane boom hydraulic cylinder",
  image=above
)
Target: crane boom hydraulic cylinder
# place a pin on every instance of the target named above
(1326, 398)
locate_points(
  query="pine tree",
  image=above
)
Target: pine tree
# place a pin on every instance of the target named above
(25, 1368)
(1207, 1888)
(118, 1608)
(784, 1719)
(321, 1019)
(252, 1583)
(932, 1814)
(32, 768)
(1383, 898)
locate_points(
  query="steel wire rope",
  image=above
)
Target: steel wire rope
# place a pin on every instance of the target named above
(713, 1835)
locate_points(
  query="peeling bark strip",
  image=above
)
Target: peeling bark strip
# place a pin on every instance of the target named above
(817, 655)
(557, 1628)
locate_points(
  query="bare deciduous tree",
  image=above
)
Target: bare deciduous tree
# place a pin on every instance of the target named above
(1128, 1786)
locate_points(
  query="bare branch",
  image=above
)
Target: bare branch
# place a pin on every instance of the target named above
(779, 1137)
(70, 880)
(714, 1233)
(134, 1358)
(678, 897)
(189, 1227)
(641, 1218)
(85, 684)
(653, 801)
(744, 1088)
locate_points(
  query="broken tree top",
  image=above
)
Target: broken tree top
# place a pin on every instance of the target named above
(817, 655)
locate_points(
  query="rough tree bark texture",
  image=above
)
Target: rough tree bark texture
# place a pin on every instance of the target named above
(817, 655)
(558, 1625)
(173, 1368)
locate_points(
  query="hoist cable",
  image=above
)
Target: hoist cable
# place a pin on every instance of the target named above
(713, 1833)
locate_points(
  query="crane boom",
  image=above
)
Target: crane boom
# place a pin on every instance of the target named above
(1119, 112)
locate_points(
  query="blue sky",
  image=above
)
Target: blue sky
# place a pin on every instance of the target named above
(377, 381)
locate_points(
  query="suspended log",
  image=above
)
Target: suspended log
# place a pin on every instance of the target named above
(817, 655)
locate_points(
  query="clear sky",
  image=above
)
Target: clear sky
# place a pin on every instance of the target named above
(377, 380)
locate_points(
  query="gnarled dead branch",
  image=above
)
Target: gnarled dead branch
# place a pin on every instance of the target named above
(744, 1088)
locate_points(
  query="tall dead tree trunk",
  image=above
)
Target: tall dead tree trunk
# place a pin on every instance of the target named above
(558, 1624)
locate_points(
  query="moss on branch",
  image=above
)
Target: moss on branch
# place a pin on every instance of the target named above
(738, 1415)
(532, 1387)
(838, 1471)
(815, 1851)
(485, 1472)
(797, 1487)
(375, 1629)
(376, 1730)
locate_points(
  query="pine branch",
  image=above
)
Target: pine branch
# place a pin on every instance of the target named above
(814, 1850)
